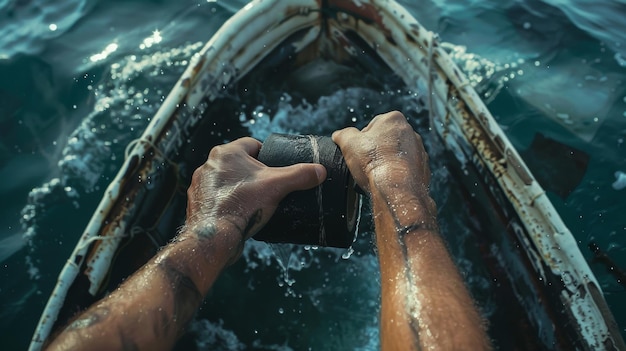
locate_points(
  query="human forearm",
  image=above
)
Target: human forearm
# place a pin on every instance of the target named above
(151, 309)
(231, 196)
(424, 301)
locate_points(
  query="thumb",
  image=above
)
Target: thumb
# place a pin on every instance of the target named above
(301, 176)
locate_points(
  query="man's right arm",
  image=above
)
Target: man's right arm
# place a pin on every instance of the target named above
(425, 304)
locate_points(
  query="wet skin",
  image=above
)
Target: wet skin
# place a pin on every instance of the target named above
(425, 304)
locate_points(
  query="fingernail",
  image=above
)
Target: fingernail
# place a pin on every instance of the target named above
(320, 171)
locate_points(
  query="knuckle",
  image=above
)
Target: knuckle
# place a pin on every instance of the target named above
(216, 152)
(395, 116)
(223, 153)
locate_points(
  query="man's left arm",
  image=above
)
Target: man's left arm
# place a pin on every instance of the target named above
(151, 309)
(230, 198)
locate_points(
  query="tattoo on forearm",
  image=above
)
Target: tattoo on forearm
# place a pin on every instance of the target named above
(89, 319)
(186, 295)
(96, 316)
(207, 232)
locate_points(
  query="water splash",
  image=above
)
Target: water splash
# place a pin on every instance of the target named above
(122, 107)
(346, 255)
(213, 336)
(620, 181)
(329, 113)
(484, 75)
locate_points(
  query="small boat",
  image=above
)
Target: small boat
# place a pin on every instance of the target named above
(557, 300)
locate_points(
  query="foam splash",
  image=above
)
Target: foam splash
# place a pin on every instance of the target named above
(82, 161)
(346, 255)
(288, 257)
(213, 336)
(620, 181)
(123, 105)
(351, 106)
(483, 75)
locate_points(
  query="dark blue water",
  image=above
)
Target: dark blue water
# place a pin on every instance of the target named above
(80, 79)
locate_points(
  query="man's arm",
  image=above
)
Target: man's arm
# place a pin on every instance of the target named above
(230, 198)
(150, 309)
(425, 304)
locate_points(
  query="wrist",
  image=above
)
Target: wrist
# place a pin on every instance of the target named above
(406, 198)
(397, 175)
(200, 252)
(399, 183)
(217, 240)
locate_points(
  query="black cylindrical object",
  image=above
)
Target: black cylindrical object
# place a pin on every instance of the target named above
(323, 216)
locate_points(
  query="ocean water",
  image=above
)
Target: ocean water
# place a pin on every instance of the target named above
(79, 80)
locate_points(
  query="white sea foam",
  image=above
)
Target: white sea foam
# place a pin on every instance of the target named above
(37, 195)
(122, 107)
(37, 200)
(351, 106)
(621, 60)
(83, 158)
(33, 271)
(620, 180)
(477, 69)
(213, 336)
